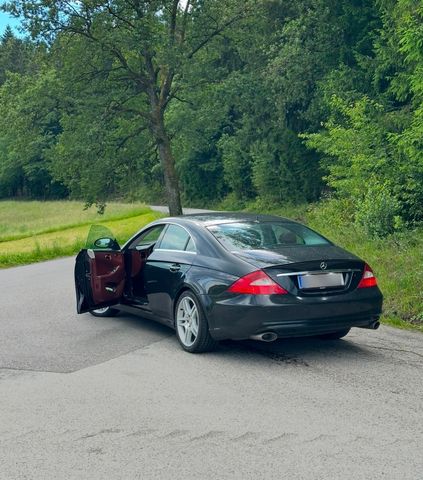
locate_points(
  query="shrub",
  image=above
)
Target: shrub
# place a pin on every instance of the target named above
(378, 212)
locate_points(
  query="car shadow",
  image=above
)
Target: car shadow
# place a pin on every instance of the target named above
(293, 351)
(135, 322)
(302, 351)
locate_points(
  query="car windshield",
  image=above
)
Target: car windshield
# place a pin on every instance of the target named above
(265, 235)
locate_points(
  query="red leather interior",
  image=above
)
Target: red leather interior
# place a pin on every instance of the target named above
(107, 276)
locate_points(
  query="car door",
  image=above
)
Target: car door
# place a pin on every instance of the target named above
(166, 269)
(99, 271)
(136, 255)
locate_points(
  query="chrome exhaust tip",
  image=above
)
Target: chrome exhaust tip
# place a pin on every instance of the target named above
(265, 337)
(372, 326)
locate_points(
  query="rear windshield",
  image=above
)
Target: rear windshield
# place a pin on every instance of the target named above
(266, 235)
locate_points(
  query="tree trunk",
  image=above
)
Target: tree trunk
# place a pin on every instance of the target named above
(167, 162)
(158, 129)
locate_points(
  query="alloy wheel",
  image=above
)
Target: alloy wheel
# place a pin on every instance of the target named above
(187, 321)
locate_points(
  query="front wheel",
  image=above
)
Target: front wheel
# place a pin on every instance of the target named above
(191, 325)
(104, 312)
(335, 335)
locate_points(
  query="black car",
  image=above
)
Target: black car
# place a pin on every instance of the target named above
(233, 276)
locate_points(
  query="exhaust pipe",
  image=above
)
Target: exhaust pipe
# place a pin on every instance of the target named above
(373, 326)
(265, 337)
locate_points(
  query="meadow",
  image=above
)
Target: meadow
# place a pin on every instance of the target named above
(35, 231)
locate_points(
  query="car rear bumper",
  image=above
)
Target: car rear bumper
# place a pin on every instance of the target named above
(242, 316)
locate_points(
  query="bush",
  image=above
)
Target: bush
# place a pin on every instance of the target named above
(378, 212)
(340, 211)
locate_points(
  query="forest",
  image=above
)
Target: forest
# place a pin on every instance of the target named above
(224, 103)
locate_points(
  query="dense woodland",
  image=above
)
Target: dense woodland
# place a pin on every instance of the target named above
(232, 101)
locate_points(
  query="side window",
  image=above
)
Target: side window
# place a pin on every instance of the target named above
(149, 237)
(175, 238)
(285, 236)
(101, 238)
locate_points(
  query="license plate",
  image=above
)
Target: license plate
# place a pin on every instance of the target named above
(321, 280)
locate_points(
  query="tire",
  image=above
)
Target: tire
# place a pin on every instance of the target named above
(335, 335)
(192, 329)
(105, 312)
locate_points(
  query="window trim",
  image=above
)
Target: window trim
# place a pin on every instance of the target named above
(178, 251)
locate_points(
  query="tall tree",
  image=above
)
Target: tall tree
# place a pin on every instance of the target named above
(151, 43)
(17, 55)
(372, 139)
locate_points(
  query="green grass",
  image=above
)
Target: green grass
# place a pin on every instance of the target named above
(36, 231)
(396, 260)
(21, 219)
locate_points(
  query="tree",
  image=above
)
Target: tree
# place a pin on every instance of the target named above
(151, 43)
(29, 124)
(372, 140)
(28, 120)
(17, 55)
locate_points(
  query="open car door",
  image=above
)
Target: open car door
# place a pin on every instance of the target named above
(99, 271)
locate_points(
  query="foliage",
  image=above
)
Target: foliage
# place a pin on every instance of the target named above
(273, 102)
(378, 212)
(372, 140)
(144, 47)
(27, 123)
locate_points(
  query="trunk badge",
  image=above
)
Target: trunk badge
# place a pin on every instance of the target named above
(323, 266)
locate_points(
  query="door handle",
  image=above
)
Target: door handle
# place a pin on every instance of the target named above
(175, 267)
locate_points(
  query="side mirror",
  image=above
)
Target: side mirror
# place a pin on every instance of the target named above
(105, 243)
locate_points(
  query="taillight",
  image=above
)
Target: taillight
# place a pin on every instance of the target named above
(368, 279)
(256, 283)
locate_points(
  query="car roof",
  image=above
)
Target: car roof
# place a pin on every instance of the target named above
(216, 218)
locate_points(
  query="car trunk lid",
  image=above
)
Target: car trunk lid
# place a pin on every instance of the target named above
(309, 270)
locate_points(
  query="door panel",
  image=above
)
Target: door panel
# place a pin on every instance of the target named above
(135, 265)
(99, 279)
(164, 275)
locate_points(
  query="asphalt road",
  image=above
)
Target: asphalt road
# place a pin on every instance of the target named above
(91, 398)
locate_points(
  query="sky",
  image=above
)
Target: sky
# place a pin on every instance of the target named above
(6, 19)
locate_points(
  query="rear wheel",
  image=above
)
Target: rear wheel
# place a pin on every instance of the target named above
(192, 329)
(335, 335)
(104, 312)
